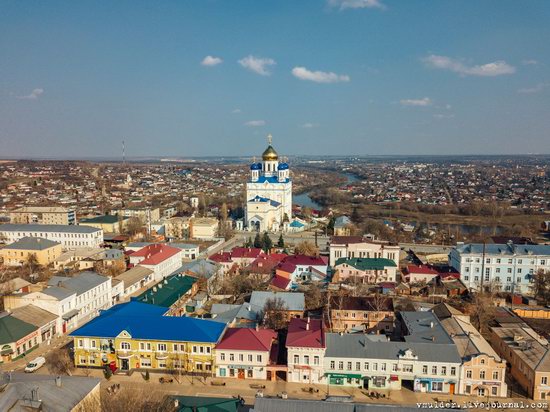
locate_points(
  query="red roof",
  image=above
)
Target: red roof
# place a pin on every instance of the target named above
(304, 260)
(156, 253)
(424, 270)
(244, 252)
(346, 240)
(280, 282)
(265, 263)
(302, 335)
(286, 267)
(247, 339)
(221, 257)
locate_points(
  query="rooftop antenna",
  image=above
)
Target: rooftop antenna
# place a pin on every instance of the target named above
(123, 153)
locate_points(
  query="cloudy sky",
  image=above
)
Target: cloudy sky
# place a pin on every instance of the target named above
(214, 77)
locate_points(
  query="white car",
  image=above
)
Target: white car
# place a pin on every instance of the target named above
(35, 364)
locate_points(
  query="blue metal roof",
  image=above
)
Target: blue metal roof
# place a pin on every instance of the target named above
(256, 166)
(265, 200)
(270, 179)
(282, 166)
(508, 249)
(145, 321)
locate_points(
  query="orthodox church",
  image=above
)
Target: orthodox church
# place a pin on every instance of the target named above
(269, 193)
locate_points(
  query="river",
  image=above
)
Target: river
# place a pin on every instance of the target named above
(303, 199)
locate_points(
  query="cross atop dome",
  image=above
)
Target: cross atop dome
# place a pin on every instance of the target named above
(269, 139)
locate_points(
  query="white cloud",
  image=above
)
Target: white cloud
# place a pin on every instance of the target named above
(309, 125)
(255, 123)
(211, 61)
(535, 89)
(257, 64)
(529, 62)
(319, 77)
(443, 116)
(356, 4)
(237, 110)
(496, 68)
(426, 101)
(35, 94)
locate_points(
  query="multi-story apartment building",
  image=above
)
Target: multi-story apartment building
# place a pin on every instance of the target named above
(70, 236)
(73, 300)
(246, 353)
(144, 214)
(372, 362)
(44, 215)
(18, 253)
(137, 335)
(483, 372)
(358, 247)
(365, 270)
(305, 344)
(509, 267)
(357, 313)
(528, 355)
(205, 228)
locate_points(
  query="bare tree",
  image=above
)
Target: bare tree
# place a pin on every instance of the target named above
(126, 400)
(274, 313)
(59, 362)
(306, 248)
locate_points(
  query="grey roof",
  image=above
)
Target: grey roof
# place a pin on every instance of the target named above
(80, 283)
(13, 284)
(112, 254)
(17, 392)
(14, 227)
(34, 315)
(507, 249)
(294, 301)
(226, 313)
(58, 293)
(342, 221)
(306, 405)
(32, 243)
(424, 327)
(203, 267)
(350, 345)
(173, 244)
(134, 275)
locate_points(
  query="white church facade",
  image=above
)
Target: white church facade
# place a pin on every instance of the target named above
(269, 194)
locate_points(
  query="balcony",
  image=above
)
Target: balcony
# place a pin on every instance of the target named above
(161, 355)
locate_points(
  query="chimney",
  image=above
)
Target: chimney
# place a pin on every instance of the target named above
(433, 338)
(58, 381)
(257, 327)
(431, 325)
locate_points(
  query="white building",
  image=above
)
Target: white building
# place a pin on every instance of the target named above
(305, 345)
(73, 300)
(358, 247)
(70, 236)
(162, 259)
(268, 193)
(508, 267)
(244, 353)
(372, 362)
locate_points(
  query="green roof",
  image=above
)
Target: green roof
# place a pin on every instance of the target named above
(206, 404)
(367, 263)
(167, 291)
(106, 219)
(13, 329)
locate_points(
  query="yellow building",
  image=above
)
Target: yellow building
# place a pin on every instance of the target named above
(44, 215)
(109, 223)
(18, 253)
(137, 335)
(203, 228)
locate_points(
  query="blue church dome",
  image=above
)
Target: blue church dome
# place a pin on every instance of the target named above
(256, 166)
(282, 166)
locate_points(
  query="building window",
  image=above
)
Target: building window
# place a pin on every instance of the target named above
(231, 356)
(468, 389)
(349, 366)
(316, 360)
(249, 373)
(259, 358)
(469, 374)
(357, 366)
(222, 356)
(494, 391)
(296, 358)
(332, 364)
(482, 374)
(250, 358)
(544, 380)
(443, 370)
(241, 357)
(161, 347)
(434, 370)
(495, 375)
(366, 365)
(341, 365)
(124, 346)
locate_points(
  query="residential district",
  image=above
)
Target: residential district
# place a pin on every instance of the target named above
(138, 294)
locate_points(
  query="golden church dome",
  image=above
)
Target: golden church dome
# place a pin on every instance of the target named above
(270, 154)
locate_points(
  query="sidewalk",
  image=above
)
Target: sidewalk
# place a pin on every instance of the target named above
(195, 387)
(42, 350)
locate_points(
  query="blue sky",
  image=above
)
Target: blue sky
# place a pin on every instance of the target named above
(214, 77)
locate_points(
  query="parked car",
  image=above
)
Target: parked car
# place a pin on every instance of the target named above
(35, 364)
